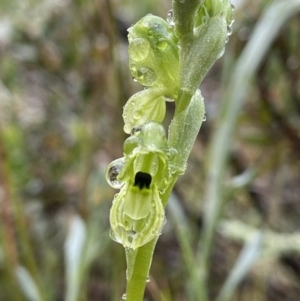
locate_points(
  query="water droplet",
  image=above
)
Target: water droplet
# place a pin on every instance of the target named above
(123, 298)
(146, 22)
(132, 67)
(137, 114)
(146, 76)
(221, 53)
(112, 172)
(204, 118)
(231, 22)
(162, 44)
(172, 152)
(170, 18)
(136, 130)
(134, 79)
(226, 40)
(232, 7)
(138, 49)
(229, 31)
(130, 144)
(131, 236)
(148, 279)
(113, 236)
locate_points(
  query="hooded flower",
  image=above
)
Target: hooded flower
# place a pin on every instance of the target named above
(137, 214)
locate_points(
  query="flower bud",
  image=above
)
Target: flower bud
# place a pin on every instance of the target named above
(153, 54)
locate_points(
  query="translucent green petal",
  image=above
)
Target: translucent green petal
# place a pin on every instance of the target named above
(153, 136)
(137, 203)
(144, 106)
(153, 54)
(133, 233)
(146, 163)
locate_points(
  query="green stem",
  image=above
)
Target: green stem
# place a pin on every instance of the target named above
(136, 284)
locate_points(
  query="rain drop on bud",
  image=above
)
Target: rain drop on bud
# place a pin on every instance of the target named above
(170, 19)
(162, 44)
(146, 76)
(112, 172)
(136, 130)
(130, 144)
(138, 49)
(123, 298)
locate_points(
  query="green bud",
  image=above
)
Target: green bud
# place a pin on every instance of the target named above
(214, 8)
(199, 56)
(153, 136)
(153, 54)
(144, 106)
(184, 12)
(130, 144)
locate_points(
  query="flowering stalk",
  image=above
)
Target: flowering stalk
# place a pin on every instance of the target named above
(170, 59)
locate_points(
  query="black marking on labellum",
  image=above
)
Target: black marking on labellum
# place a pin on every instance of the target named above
(142, 179)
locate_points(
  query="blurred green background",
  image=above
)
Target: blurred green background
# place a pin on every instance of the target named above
(64, 80)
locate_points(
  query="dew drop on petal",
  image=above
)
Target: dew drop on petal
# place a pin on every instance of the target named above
(148, 279)
(112, 172)
(113, 236)
(130, 144)
(136, 130)
(137, 114)
(204, 118)
(138, 49)
(146, 22)
(170, 18)
(229, 31)
(146, 76)
(221, 53)
(123, 298)
(132, 67)
(131, 234)
(162, 44)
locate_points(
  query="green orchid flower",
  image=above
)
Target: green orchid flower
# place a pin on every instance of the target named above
(137, 214)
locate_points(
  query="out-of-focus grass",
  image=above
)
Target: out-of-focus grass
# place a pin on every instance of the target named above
(63, 82)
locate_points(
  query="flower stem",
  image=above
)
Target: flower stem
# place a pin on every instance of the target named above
(136, 284)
